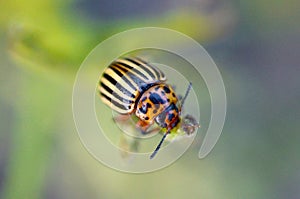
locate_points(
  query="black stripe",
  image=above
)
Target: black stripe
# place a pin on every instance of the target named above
(123, 64)
(125, 91)
(115, 94)
(106, 88)
(124, 77)
(136, 79)
(106, 97)
(117, 85)
(116, 71)
(143, 67)
(114, 102)
(155, 70)
(133, 69)
(110, 79)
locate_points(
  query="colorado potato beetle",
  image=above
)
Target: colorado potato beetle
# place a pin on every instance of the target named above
(130, 85)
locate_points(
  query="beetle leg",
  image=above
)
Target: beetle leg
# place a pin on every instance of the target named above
(147, 131)
(154, 130)
(172, 119)
(143, 126)
(179, 97)
(122, 118)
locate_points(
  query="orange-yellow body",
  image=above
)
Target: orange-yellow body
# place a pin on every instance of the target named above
(158, 104)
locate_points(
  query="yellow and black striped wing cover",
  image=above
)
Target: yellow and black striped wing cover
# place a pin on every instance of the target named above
(124, 80)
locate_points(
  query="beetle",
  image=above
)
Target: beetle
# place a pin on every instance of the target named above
(130, 85)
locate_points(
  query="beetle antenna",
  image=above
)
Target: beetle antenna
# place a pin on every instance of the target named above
(186, 94)
(159, 145)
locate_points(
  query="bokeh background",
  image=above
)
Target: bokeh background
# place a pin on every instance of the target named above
(256, 47)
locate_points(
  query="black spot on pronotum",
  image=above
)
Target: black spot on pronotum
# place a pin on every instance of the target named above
(173, 94)
(146, 118)
(156, 99)
(144, 99)
(144, 108)
(166, 89)
(148, 105)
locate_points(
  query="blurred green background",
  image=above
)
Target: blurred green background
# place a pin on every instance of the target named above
(256, 47)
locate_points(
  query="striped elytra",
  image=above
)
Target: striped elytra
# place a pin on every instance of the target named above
(124, 80)
(132, 86)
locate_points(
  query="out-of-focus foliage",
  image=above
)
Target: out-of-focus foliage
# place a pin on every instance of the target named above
(42, 34)
(58, 34)
(256, 46)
